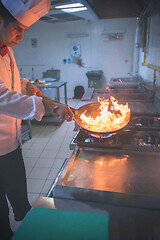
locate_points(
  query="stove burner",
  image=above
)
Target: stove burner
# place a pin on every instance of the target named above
(142, 132)
(98, 138)
(102, 136)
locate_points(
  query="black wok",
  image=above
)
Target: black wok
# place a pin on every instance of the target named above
(92, 109)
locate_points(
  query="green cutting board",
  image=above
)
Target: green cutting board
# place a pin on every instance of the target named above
(51, 224)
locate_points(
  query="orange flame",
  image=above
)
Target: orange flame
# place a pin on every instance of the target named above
(111, 116)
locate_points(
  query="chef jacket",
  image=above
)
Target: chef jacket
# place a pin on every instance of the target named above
(14, 104)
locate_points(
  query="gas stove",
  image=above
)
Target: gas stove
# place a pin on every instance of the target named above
(120, 168)
(141, 134)
(117, 173)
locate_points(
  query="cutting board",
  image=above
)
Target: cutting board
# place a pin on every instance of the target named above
(49, 224)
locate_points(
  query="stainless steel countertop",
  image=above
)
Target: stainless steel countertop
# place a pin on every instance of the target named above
(111, 176)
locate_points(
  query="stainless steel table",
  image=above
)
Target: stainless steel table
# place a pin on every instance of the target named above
(57, 85)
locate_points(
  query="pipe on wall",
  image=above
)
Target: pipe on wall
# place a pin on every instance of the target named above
(136, 50)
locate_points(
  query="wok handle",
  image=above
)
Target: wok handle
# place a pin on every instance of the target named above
(49, 99)
(46, 98)
(72, 109)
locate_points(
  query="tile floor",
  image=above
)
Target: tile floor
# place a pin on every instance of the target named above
(43, 155)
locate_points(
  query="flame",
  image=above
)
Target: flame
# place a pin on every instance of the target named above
(110, 117)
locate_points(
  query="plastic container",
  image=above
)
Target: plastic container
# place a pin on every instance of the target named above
(94, 75)
(94, 83)
(94, 78)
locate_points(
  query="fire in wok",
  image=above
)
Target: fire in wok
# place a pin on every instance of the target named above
(105, 116)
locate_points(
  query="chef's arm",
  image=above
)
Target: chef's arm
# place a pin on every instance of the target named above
(51, 106)
(28, 88)
(33, 90)
(60, 109)
(15, 104)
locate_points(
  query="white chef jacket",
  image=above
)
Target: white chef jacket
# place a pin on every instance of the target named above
(14, 105)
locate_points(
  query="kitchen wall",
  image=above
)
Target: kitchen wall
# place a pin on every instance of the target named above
(46, 45)
(152, 51)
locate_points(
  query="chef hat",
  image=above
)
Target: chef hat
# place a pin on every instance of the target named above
(27, 12)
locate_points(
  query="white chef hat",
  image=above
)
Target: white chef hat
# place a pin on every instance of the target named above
(27, 12)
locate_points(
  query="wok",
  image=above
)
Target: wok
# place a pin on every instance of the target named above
(92, 109)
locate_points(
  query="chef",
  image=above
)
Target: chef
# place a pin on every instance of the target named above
(18, 101)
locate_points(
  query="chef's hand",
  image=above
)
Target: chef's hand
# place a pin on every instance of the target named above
(33, 90)
(61, 110)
